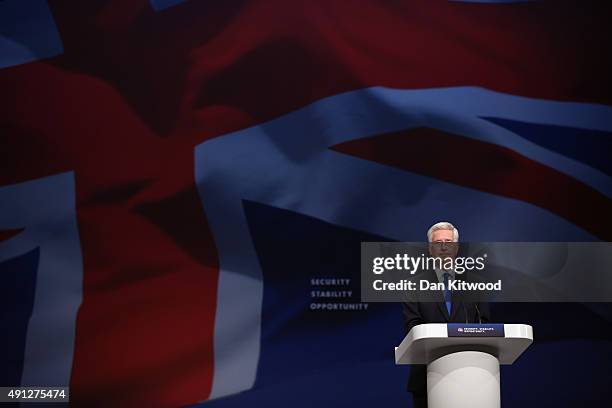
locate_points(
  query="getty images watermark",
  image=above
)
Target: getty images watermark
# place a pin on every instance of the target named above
(486, 271)
(412, 264)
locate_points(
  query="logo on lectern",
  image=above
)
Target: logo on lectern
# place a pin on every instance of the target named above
(475, 330)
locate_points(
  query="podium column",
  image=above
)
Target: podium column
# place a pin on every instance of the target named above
(465, 379)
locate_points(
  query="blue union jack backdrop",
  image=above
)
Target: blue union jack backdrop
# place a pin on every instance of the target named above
(185, 185)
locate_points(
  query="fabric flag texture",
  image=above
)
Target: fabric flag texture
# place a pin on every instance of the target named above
(185, 186)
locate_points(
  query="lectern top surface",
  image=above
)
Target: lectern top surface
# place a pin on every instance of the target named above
(427, 342)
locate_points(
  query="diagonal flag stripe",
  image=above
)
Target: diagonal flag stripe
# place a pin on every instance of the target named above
(490, 168)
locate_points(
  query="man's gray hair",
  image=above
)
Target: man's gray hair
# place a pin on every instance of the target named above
(443, 226)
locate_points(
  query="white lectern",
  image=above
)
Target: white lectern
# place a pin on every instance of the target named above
(463, 360)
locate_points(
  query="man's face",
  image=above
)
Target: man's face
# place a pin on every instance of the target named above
(442, 244)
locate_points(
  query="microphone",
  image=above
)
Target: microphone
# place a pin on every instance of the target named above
(478, 312)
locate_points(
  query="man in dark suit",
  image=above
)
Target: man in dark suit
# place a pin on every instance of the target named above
(447, 308)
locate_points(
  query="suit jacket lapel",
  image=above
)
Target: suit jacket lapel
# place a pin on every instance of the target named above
(457, 299)
(442, 306)
(433, 277)
(457, 305)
